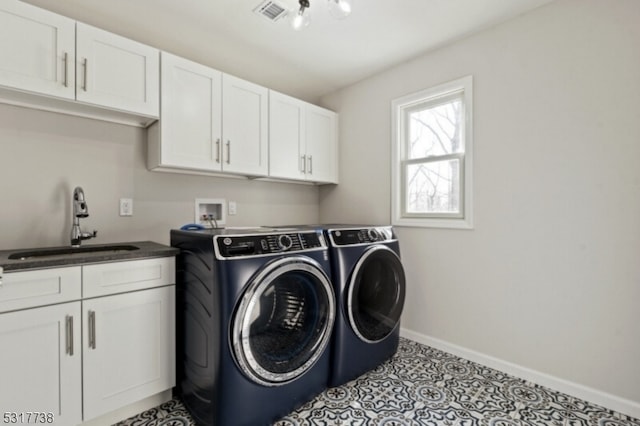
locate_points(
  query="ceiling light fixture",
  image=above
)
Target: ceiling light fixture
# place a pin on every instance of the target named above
(301, 19)
(339, 9)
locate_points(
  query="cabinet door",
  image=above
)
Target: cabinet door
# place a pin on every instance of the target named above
(244, 127)
(321, 144)
(128, 348)
(191, 126)
(287, 158)
(40, 362)
(116, 72)
(38, 50)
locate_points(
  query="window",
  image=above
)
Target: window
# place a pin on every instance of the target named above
(431, 158)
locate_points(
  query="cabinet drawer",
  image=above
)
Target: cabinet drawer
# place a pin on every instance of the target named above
(119, 277)
(27, 289)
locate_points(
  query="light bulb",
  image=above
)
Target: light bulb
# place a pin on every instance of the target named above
(339, 9)
(301, 19)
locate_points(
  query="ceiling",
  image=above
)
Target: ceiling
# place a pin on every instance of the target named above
(328, 55)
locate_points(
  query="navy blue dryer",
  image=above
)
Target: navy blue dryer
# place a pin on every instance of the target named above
(255, 315)
(369, 283)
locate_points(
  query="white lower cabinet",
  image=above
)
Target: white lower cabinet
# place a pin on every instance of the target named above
(41, 364)
(75, 359)
(128, 348)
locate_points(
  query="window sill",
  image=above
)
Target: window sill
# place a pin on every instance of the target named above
(433, 223)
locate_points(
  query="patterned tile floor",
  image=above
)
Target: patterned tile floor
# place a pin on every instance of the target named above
(424, 386)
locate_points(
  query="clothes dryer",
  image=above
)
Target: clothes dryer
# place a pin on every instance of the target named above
(255, 313)
(369, 283)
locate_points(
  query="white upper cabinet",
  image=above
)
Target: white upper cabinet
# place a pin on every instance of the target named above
(287, 152)
(54, 63)
(302, 140)
(37, 50)
(321, 138)
(116, 72)
(244, 126)
(189, 135)
(210, 122)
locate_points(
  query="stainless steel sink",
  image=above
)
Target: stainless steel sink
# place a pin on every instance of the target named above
(71, 251)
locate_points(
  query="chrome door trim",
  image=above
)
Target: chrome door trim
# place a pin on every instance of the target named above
(241, 322)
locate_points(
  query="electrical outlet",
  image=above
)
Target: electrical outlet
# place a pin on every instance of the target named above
(126, 207)
(233, 208)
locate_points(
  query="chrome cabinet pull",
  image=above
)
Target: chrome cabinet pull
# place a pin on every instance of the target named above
(311, 164)
(218, 150)
(228, 151)
(69, 328)
(92, 329)
(85, 65)
(66, 69)
(1, 272)
(304, 164)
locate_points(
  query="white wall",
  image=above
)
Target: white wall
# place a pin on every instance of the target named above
(549, 279)
(43, 156)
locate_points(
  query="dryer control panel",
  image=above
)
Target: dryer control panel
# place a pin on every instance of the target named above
(258, 244)
(345, 237)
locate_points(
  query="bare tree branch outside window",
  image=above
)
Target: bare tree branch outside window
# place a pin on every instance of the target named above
(433, 175)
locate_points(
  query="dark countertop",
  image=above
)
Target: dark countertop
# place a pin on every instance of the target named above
(83, 255)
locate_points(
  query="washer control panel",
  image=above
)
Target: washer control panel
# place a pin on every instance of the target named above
(265, 244)
(345, 237)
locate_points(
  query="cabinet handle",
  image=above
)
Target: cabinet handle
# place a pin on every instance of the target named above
(304, 164)
(228, 152)
(85, 66)
(69, 328)
(218, 150)
(92, 329)
(66, 69)
(1, 272)
(311, 164)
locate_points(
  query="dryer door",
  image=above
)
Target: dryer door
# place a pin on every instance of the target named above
(375, 295)
(283, 322)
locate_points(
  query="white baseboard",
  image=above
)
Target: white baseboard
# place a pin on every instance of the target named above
(612, 402)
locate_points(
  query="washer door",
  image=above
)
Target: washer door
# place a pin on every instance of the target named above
(375, 295)
(284, 320)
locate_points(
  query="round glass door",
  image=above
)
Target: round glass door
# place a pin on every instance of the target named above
(375, 296)
(283, 321)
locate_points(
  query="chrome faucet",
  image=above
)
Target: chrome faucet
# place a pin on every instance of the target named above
(80, 210)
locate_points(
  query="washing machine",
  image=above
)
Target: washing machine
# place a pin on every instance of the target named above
(370, 286)
(256, 309)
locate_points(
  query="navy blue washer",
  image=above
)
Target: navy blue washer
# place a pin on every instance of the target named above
(369, 283)
(255, 315)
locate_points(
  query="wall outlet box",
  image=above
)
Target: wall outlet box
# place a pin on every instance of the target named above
(210, 212)
(126, 207)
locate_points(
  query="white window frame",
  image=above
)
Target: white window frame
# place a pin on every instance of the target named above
(399, 109)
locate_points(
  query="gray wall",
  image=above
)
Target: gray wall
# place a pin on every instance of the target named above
(43, 156)
(549, 279)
